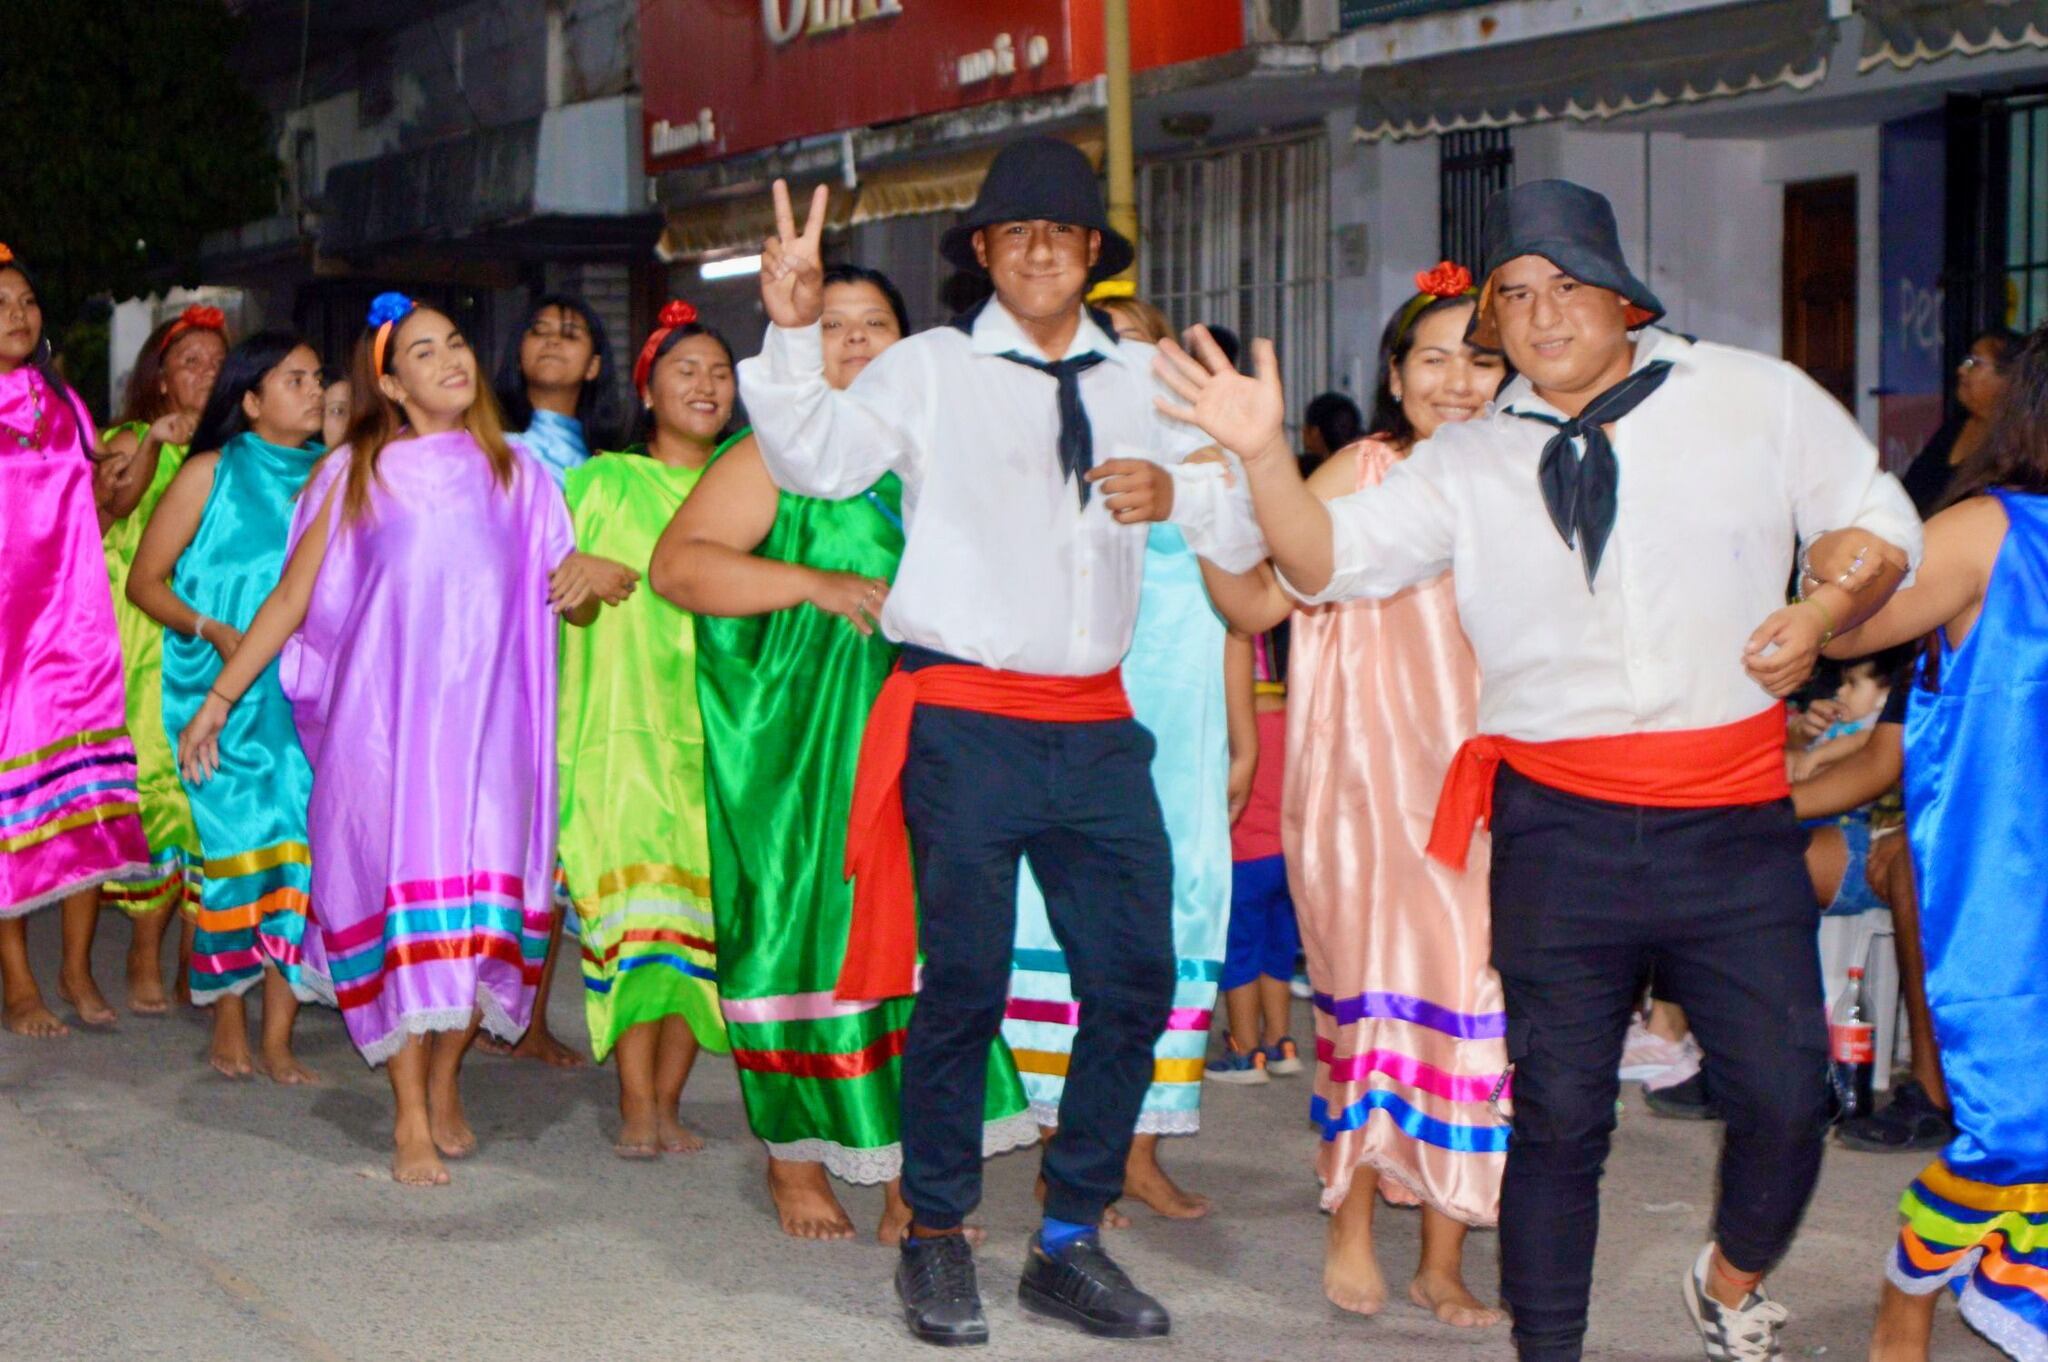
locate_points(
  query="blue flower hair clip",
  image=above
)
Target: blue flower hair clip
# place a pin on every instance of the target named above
(387, 308)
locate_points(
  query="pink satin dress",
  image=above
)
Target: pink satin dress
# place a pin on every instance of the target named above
(1410, 1024)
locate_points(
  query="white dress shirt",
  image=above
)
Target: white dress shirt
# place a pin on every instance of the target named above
(1002, 565)
(1724, 470)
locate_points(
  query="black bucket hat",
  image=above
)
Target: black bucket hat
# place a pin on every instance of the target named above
(1573, 228)
(1039, 179)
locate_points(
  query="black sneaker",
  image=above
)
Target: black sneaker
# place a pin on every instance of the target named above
(1083, 1286)
(1910, 1121)
(935, 1282)
(1687, 1101)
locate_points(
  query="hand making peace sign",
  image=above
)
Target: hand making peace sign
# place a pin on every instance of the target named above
(792, 267)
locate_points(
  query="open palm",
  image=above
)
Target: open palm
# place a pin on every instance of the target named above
(1242, 413)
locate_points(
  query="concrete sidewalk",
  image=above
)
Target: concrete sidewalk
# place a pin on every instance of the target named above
(149, 1209)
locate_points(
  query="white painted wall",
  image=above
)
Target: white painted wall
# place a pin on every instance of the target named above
(1391, 189)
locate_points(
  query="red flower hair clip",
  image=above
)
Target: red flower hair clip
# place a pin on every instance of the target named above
(674, 313)
(6, 254)
(1445, 281)
(194, 318)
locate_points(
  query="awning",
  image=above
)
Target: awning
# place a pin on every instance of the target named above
(937, 184)
(1908, 32)
(1602, 73)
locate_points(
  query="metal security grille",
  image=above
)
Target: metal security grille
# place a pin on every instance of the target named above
(2026, 216)
(1241, 238)
(1997, 229)
(1471, 168)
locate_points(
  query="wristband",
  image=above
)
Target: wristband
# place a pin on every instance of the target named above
(214, 691)
(199, 623)
(1827, 619)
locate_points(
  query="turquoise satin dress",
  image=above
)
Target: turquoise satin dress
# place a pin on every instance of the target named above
(556, 443)
(251, 813)
(1976, 761)
(1174, 676)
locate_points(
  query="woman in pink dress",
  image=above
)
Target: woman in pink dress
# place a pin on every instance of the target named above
(1411, 1046)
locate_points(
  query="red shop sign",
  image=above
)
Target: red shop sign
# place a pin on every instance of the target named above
(720, 77)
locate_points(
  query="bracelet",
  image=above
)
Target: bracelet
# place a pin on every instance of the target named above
(199, 623)
(214, 691)
(1827, 619)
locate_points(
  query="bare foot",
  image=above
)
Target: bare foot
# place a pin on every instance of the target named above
(414, 1160)
(1446, 1296)
(538, 1044)
(639, 1137)
(85, 997)
(31, 1018)
(1351, 1273)
(488, 1044)
(146, 987)
(448, 1125)
(229, 1053)
(675, 1137)
(283, 1066)
(1112, 1218)
(1149, 1183)
(804, 1202)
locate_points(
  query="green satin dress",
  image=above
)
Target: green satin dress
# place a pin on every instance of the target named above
(631, 752)
(785, 699)
(166, 817)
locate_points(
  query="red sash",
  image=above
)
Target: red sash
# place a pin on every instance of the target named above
(1693, 768)
(881, 944)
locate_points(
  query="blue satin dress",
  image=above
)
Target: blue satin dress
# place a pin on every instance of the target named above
(556, 443)
(1174, 676)
(251, 815)
(1976, 766)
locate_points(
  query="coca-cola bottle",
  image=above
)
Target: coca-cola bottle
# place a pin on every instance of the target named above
(1852, 1048)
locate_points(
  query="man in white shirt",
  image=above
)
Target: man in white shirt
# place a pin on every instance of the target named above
(1007, 722)
(1618, 525)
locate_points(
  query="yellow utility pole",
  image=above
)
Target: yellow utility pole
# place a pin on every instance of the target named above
(1123, 197)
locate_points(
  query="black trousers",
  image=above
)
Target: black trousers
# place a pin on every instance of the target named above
(1076, 801)
(1586, 896)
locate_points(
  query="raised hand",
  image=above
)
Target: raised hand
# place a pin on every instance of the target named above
(792, 262)
(1246, 416)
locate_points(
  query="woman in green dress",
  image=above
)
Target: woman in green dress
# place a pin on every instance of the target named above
(787, 590)
(631, 749)
(167, 390)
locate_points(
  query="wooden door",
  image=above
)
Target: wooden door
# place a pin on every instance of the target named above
(1820, 283)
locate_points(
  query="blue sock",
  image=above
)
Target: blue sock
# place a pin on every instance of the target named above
(1057, 1235)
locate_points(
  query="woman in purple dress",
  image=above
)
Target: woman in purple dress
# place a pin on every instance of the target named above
(416, 623)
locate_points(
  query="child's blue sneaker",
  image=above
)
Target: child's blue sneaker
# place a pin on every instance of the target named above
(1238, 1066)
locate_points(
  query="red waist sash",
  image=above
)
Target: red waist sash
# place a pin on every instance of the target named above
(881, 943)
(1693, 768)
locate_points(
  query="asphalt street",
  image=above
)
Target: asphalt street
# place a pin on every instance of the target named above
(150, 1209)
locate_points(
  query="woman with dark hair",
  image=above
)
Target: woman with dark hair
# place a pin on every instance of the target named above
(425, 555)
(632, 745)
(787, 591)
(1980, 386)
(1410, 1021)
(167, 389)
(1976, 739)
(67, 769)
(213, 551)
(557, 385)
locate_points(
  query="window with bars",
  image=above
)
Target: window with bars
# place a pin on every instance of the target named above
(1996, 272)
(1472, 167)
(1241, 238)
(2026, 216)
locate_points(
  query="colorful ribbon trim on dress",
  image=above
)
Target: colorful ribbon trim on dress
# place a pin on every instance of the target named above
(1420, 1011)
(1405, 1069)
(1459, 1139)
(71, 783)
(1069, 1014)
(492, 922)
(1054, 1063)
(253, 911)
(612, 962)
(804, 1064)
(1988, 1240)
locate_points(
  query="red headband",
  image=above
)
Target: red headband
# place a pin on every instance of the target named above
(193, 318)
(674, 313)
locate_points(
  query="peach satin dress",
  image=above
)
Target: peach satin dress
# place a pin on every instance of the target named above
(1410, 1024)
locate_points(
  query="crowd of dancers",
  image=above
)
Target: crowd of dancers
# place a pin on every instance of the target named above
(893, 744)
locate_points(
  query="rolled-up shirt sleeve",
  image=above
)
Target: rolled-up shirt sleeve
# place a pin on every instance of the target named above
(820, 441)
(1835, 480)
(1388, 537)
(1213, 509)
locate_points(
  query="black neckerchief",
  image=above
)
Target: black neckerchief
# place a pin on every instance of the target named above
(1582, 493)
(1077, 435)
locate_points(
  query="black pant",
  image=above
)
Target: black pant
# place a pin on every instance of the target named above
(1586, 896)
(1077, 801)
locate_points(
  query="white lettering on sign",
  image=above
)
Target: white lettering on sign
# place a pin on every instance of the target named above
(997, 59)
(788, 20)
(667, 139)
